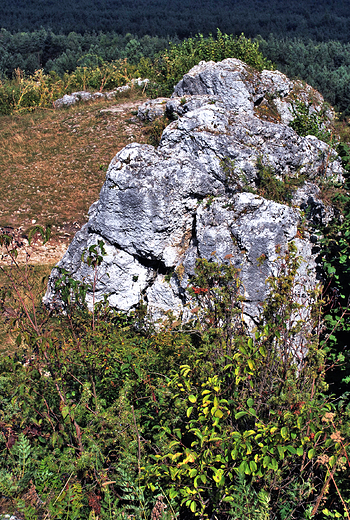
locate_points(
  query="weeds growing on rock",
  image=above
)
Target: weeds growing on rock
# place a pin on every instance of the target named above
(308, 122)
(273, 188)
(155, 129)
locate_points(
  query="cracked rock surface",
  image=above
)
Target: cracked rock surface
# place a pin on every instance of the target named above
(197, 193)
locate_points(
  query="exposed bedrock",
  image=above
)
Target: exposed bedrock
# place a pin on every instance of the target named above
(196, 193)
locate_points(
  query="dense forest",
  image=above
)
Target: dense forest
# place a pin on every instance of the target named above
(323, 20)
(324, 65)
(63, 53)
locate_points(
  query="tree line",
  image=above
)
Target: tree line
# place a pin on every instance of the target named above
(323, 20)
(324, 65)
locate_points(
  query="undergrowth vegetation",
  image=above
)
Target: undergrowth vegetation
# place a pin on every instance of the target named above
(165, 70)
(105, 416)
(334, 248)
(335, 252)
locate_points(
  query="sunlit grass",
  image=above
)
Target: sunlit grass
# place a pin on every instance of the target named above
(10, 308)
(53, 162)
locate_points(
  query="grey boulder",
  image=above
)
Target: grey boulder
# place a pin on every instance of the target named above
(196, 194)
(82, 96)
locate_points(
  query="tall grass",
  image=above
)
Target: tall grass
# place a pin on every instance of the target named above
(40, 90)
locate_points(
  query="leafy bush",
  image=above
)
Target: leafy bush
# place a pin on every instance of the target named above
(335, 253)
(26, 93)
(108, 417)
(253, 407)
(170, 65)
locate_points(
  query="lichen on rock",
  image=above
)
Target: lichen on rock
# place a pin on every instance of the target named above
(161, 208)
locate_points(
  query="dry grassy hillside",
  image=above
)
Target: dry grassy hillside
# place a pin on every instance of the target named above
(53, 164)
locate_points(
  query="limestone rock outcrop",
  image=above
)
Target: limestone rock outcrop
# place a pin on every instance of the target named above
(197, 193)
(83, 96)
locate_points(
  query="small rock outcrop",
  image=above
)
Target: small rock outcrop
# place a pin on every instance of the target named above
(152, 109)
(197, 193)
(82, 96)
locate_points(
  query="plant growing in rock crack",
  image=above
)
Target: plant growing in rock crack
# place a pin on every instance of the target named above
(236, 180)
(154, 130)
(306, 122)
(271, 187)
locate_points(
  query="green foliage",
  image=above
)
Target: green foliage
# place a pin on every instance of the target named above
(60, 53)
(254, 409)
(343, 150)
(308, 122)
(105, 61)
(247, 503)
(103, 415)
(271, 187)
(100, 76)
(335, 253)
(170, 65)
(217, 301)
(327, 22)
(323, 64)
(27, 92)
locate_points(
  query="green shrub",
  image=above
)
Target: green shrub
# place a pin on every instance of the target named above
(108, 415)
(255, 406)
(170, 65)
(306, 122)
(335, 253)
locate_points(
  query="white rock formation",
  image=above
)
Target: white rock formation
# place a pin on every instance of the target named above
(82, 96)
(161, 208)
